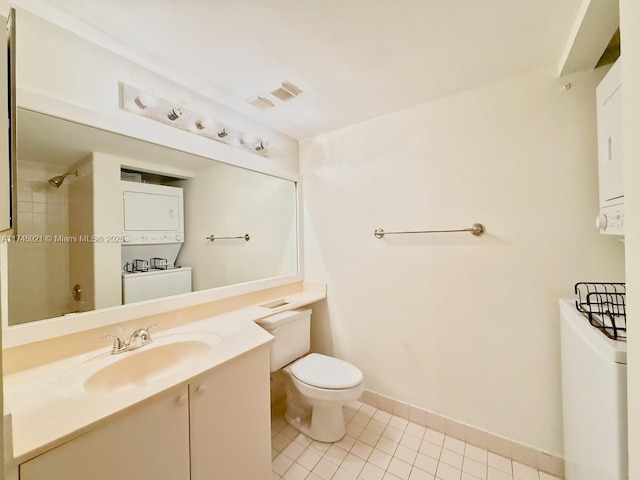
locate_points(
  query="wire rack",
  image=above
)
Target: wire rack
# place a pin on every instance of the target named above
(158, 263)
(603, 303)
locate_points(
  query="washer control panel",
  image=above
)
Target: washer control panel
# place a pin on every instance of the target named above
(610, 221)
(152, 238)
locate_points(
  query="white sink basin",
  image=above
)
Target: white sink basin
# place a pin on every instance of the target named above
(165, 356)
(142, 367)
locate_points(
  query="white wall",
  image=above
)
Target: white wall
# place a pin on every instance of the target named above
(466, 327)
(59, 64)
(227, 201)
(107, 221)
(630, 41)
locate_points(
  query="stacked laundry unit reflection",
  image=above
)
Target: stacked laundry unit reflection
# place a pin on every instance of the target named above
(153, 234)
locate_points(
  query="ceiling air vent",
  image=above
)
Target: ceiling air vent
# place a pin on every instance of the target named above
(286, 92)
(261, 103)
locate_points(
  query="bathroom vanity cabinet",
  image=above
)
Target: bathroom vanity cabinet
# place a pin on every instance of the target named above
(150, 441)
(230, 426)
(215, 427)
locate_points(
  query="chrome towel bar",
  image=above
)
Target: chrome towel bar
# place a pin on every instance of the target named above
(476, 229)
(246, 236)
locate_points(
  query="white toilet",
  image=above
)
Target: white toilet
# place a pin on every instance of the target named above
(317, 385)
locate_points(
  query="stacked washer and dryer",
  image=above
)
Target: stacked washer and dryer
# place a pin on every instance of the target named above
(593, 326)
(152, 235)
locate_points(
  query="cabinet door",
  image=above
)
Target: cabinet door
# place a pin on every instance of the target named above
(230, 420)
(150, 442)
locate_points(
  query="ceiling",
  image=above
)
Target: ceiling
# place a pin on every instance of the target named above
(354, 59)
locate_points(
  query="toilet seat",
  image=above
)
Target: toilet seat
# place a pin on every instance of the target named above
(322, 371)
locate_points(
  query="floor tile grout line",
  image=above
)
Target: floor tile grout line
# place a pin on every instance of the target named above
(395, 450)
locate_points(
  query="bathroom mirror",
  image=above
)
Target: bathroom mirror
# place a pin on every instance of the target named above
(74, 253)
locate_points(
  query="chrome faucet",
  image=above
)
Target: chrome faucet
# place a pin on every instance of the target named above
(139, 338)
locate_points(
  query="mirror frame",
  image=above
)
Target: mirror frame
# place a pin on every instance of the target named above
(55, 327)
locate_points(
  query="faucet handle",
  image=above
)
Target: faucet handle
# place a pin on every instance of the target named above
(146, 336)
(151, 326)
(119, 345)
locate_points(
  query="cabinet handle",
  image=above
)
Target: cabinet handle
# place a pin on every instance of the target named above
(201, 389)
(182, 400)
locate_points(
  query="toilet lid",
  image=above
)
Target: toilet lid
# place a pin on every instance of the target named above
(326, 372)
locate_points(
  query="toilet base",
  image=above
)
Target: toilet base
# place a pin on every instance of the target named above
(325, 424)
(317, 418)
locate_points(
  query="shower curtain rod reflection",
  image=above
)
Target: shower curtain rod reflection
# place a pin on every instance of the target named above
(476, 229)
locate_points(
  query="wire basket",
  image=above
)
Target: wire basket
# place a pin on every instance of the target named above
(158, 263)
(140, 265)
(603, 303)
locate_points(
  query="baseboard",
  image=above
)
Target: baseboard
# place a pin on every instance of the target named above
(505, 447)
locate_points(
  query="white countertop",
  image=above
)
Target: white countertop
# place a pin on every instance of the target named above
(46, 410)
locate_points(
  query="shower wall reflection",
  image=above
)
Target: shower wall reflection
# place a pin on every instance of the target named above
(39, 272)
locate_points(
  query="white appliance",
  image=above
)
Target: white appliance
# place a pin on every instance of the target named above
(153, 229)
(594, 399)
(137, 287)
(152, 214)
(610, 162)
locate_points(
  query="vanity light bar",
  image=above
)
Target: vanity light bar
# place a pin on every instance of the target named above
(147, 105)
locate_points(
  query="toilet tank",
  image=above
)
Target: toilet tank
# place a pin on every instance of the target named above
(292, 332)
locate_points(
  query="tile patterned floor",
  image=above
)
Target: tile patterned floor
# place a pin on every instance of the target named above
(382, 446)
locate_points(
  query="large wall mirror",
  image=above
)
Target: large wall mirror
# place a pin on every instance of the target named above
(107, 220)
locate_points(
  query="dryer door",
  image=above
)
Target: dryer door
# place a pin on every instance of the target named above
(151, 212)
